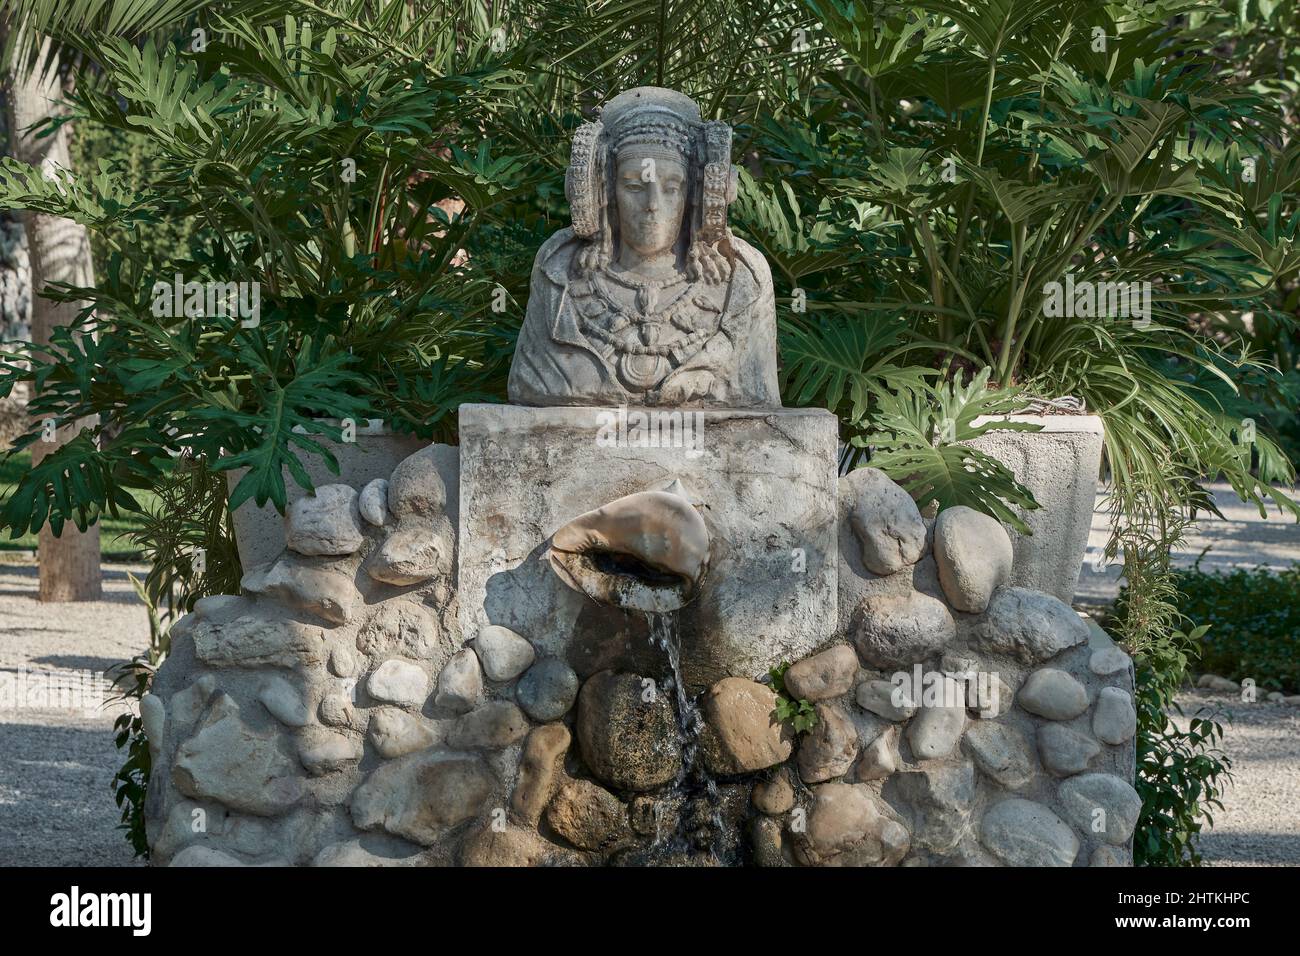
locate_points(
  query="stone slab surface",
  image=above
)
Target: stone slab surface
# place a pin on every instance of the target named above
(764, 481)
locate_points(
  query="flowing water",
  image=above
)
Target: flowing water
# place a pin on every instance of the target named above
(699, 820)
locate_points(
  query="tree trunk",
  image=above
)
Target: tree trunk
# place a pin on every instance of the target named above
(60, 252)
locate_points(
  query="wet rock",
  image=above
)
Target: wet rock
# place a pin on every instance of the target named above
(775, 796)
(588, 816)
(539, 768)
(416, 488)
(1101, 804)
(1024, 833)
(768, 842)
(399, 629)
(227, 761)
(885, 699)
(829, 749)
(885, 520)
(1115, 720)
(974, 555)
(1028, 625)
(492, 725)
(880, 757)
(324, 523)
(934, 732)
(373, 502)
(849, 825)
(399, 682)
(941, 798)
(627, 731)
(1001, 752)
(396, 733)
(283, 702)
(324, 751)
(413, 553)
(503, 653)
(258, 642)
(460, 685)
(1053, 694)
(822, 676)
(421, 796)
(741, 732)
(1065, 752)
(894, 631)
(547, 690)
(645, 815)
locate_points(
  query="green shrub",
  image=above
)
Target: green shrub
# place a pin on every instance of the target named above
(1180, 773)
(1253, 618)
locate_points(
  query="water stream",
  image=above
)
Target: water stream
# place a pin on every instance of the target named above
(699, 820)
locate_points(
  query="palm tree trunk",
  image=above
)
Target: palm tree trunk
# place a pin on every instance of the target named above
(60, 252)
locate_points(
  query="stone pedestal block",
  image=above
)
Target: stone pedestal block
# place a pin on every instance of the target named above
(1059, 465)
(763, 481)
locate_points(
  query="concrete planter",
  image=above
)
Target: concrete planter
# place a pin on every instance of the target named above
(1059, 464)
(259, 532)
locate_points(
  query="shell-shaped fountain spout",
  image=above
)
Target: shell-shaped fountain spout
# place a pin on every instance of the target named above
(646, 551)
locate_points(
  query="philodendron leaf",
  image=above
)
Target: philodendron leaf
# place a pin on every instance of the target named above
(958, 475)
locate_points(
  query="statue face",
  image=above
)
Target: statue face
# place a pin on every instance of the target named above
(650, 194)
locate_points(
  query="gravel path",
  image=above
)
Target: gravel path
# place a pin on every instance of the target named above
(57, 754)
(1241, 538)
(56, 808)
(1260, 821)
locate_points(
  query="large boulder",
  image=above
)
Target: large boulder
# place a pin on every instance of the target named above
(228, 761)
(895, 631)
(848, 825)
(1054, 694)
(1102, 804)
(327, 522)
(589, 816)
(1023, 833)
(823, 676)
(627, 731)
(742, 733)
(1028, 625)
(885, 520)
(829, 749)
(422, 796)
(974, 555)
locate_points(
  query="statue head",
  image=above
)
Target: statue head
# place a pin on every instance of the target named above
(650, 174)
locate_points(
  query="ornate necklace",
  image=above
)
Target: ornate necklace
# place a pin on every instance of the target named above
(647, 290)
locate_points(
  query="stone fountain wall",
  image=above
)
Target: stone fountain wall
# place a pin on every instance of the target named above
(408, 684)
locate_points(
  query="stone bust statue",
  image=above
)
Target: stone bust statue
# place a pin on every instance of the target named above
(648, 299)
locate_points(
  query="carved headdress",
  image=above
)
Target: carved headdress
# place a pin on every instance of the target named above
(659, 120)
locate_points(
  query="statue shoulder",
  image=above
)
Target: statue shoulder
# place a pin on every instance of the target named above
(555, 254)
(752, 276)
